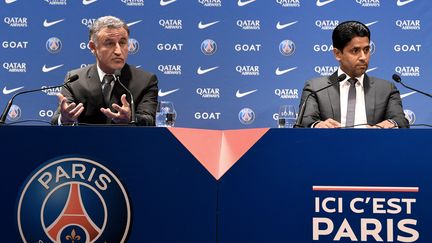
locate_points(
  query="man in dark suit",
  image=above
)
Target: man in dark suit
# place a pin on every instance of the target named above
(97, 97)
(358, 100)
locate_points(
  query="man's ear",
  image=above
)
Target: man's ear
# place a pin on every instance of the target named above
(92, 47)
(337, 53)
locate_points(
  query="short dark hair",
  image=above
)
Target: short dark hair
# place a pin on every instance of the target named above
(106, 22)
(346, 31)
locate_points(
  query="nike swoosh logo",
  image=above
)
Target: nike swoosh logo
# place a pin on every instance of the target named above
(371, 69)
(408, 94)
(87, 2)
(240, 3)
(280, 26)
(203, 71)
(401, 3)
(203, 26)
(162, 94)
(281, 72)
(240, 95)
(8, 91)
(321, 3)
(371, 23)
(133, 23)
(46, 69)
(49, 24)
(164, 2)
(10, 1)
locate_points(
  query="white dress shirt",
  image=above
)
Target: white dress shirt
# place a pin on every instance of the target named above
(360, 108)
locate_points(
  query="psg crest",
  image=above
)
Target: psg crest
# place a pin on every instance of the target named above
(73, 200)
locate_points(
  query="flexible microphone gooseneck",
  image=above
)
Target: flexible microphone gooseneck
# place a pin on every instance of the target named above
(398, 79)
(9, 104)
(132, 105)
(303, 107)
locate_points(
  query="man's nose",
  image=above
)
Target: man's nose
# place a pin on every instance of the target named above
(363, 54)
(117, 49)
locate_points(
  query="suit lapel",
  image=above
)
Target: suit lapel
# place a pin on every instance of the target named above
(94, 86)
(369, 98)
(334, 97)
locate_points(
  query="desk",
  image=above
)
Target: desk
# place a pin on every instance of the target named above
(268, 195)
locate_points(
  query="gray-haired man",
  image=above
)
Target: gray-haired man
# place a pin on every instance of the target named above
(96, 97)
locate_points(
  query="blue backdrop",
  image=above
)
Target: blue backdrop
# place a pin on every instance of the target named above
(215, 59)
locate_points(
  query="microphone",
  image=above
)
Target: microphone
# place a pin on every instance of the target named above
(132, 105)
(9, 104)
(398, 79)
(303, 107)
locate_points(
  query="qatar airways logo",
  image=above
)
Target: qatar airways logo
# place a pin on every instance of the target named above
(410, 71)
(327, 24)
(133, 3)
(208, 93)
(87, 22)
(56, 2)
(325, 70)
(287, 93)
(408, 24)
(170, 69)
(15, 67)
(211, 3)
(171, 24)
(289, 3)
(51, 91)
(16, 22)
(369, 3)
(248, 70)
(73, 199)
(248, 24)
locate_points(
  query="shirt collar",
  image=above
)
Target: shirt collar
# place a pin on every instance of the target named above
(345, 81)
(101, 73)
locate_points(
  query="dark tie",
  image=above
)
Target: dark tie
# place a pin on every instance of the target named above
(350, 116)
(107, 88)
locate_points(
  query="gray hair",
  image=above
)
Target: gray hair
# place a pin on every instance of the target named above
(106, 22)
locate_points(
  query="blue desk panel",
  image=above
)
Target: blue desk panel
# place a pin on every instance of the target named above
(267, 195)
(173, 198)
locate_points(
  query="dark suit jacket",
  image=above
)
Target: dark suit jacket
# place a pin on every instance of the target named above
(382, 100)
(88, 90)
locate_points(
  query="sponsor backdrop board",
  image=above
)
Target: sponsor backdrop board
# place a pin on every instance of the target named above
(224, 63)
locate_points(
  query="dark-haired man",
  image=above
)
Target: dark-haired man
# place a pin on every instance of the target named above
(97, 97)
(358, 100)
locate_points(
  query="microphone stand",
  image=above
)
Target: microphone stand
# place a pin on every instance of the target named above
(398, 79)
(132, 105)
(10, 102)
(303, 107)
